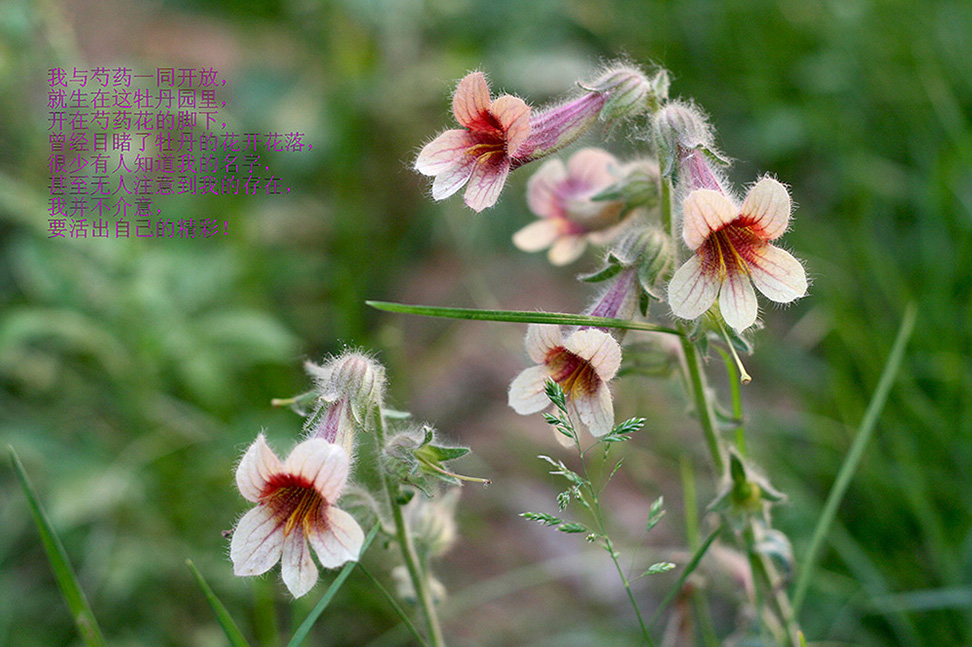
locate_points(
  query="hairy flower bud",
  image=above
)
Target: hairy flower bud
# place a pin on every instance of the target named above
(349, 388)
(686, 146)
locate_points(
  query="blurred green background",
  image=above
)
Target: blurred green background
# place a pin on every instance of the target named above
(134, 372)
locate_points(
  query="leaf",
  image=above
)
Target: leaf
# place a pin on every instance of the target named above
(67, 581)
(655, 513)
(233, 633)
(573, 528)
(660, 567)
(542, 518)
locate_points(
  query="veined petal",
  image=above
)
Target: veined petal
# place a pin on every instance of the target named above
(767, 207)
(452, 178)
(486, 180)
(296, 565)
(259, 463)
(339, 542)
(513, 114)
(691, 291)
(737, 301)
(705, 211)
(567, 250)
(526, 394)
(592, 168)
(444, 152)
(541, 338)
(778, 275)
(471, 99)
(537, 235)
(257, 542)
(542, 188)
(323, 464)
(599, 348)
(596, 411)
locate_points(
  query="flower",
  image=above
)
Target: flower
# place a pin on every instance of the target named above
(733, 253)
(295, 506)
(582, 364)
(560, 195)
(481, 153)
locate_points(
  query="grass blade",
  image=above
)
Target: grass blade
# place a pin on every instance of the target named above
(332, 590)
(67, 580)
(855, 454)
(233, 633)
(520, 316)
(689, 569)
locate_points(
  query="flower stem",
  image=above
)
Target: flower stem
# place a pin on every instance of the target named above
(412, 562)
(702, 405)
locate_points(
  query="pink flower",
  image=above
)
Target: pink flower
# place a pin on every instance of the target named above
(481, 153)
(295, 506)
(733, 253)
(561, 196)
(582, 365)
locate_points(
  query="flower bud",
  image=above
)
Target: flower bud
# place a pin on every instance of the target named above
(646, 253)
(348, 388)
(686, 146)
(628, 91)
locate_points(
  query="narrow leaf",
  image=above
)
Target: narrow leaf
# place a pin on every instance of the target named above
(520, 316)
(233, 633)
(689, 569)
(332, 590)
(67, 581)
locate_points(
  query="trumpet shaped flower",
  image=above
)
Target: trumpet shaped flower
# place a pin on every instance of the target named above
(582, 364)
(483, 151)
(560, 195)
(732, 253)
(295, 508)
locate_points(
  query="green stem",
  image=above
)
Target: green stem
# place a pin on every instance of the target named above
(735, 390)
(702, 405)
(394, 604)
(417, 575)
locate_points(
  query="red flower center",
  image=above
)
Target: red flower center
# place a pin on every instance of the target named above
(730, 250)
(574, 374)
(292, 501)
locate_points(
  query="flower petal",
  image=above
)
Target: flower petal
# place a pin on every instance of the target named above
(471, 99)
(340, 541)
(513, 114)
(452, 178)
(705, 211)
(323, 464)
(296, 564)
(259, 463)
(737, 301)
(537, 235)
(567, 250)
(778, 275)
(446, 151)
(599, 348)
(543, 187)
(486, 180)
(767, 209)
(591, 167)
(597, 411)
(257, 542)
(691, 291)
(526, 394)
(540, 339)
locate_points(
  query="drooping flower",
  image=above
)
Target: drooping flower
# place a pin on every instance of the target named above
(732, 252)
(482, 152)
(295, 508)
(582, 364)
(560, 195)
(348, 390)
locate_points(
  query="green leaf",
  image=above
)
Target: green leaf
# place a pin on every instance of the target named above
(573, 528)
(660, 567)
(655, 513)
(542, 518)
(67, 581)
(520, 316)
(332, 590)
(233, 633)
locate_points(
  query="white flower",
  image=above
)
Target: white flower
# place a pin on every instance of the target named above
(733, 253)
(295, 506)
(582, 365)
